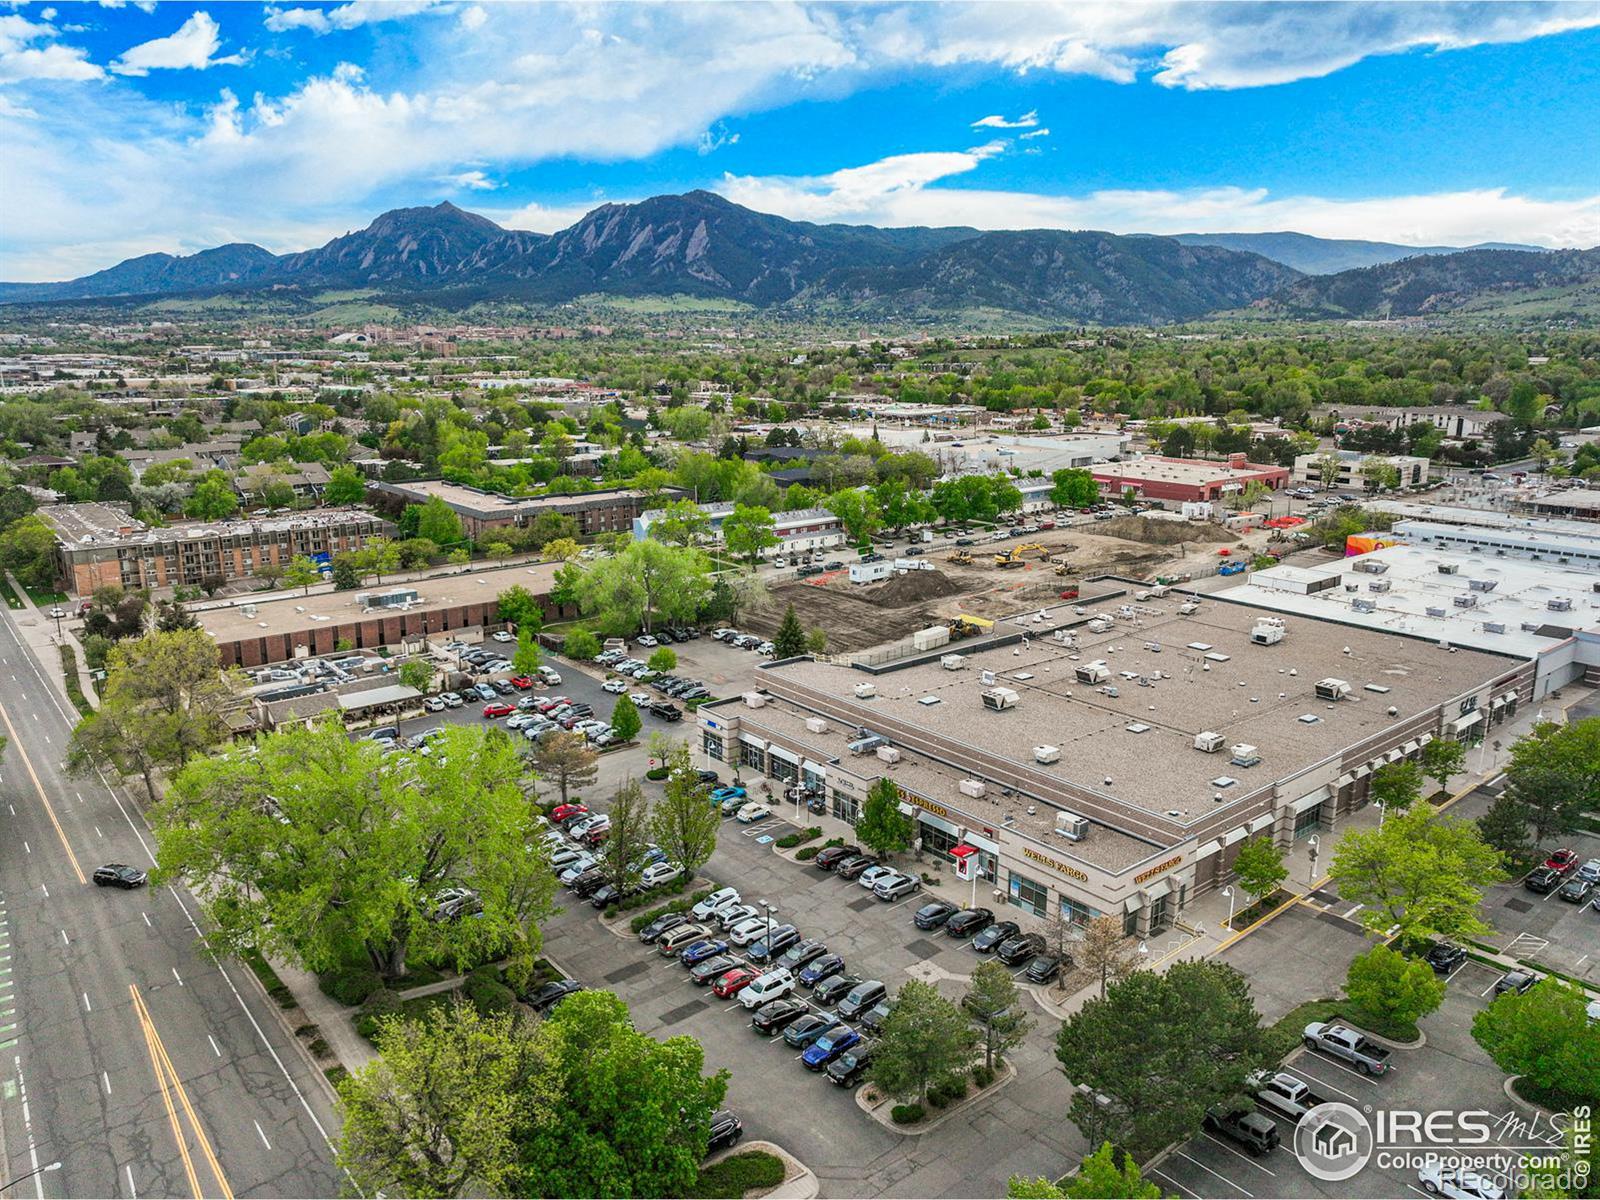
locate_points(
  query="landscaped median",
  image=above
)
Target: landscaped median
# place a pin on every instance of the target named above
(944, 1100)
(755, 1169)
(626, 923)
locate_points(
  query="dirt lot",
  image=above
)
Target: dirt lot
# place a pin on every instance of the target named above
(857, 616)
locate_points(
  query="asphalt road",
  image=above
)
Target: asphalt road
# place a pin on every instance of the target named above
(139, 1062)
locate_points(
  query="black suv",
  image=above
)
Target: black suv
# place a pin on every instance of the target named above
(1542, 880)
(119, 875)
(666, 711)
(726, 1129)
(830, 857)
(993, 935)
(968, 922)
(1445, 957)
(934, 914)
(851, 1067)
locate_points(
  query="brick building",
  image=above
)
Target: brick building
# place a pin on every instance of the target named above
(100, 544)
(605, 510)
(1157, 477)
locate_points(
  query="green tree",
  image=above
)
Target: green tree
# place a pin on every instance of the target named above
(817, 642)
(566, 761)
(28, 551)
(550, 527)
(580, 644)
(448, 1102)
(1397, 786)
(515, 605)
(417, 673)
(791, 636)
(316, 848)
(681, 523)
(213, 498)
(1505, 827)
(882, 827)
(1074, 488)
(642, 583)
(346, 575)
(162, 705)
(634, 1114)
(857, 511)
(1158, 1050)
(625, 719)
(345, 486)
(685, 825)
(1104, 1175)
(748, 530)
(1259, 867)
(379, 557)
(622, 853)
(1554, 773)
(1544, 1035)
(1327, 468)
(1388, 984)
(662, 659)
(526, 657)
(1422, 872)
(438, 522)
(301, 572)
(995, 1006)
(1441, 759)
(925, 1041)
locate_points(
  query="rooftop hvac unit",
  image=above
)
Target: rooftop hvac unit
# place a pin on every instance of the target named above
(1468, 601)
(1364, 606)
(1371, 567)
(1208, 742)
(866, 745)
(1378, 585)
(999, 698)
(248, 610)
(1097, 671)
(1047, 754)
(754, 700)
(952, 662)
(1449, 568)
(1559, 604)
(972, 787)
(1071, 826)
(888, 754)
(1245, 755)
(1189, 606)
(866, 691)
(1483, 585)
(1331, 689)
(1493, 627)
(1100, 624)
(1268, 631)
(816, 725)
(1435, 611)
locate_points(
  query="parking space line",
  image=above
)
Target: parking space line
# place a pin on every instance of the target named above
(1241, 1157)
(1209, 1171)
(1341, 1067)
(1173, 1182)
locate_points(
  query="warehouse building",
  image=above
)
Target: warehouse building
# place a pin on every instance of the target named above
(1111, 757)
(604, 510)
(102, 544)
(798, 531)
(1353, 468)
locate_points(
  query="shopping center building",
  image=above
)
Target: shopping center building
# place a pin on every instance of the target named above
(1111, 757)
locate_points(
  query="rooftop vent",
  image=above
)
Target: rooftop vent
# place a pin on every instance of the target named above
(1559, 604)
(1244, 755)
(1268, 631)
(1494, 627)
(1097, 671)
(972, 787)
(1449, 568)
(1047, 754)
(1468, 601)
(866, 691)
(1483, 585)
(1435, 611)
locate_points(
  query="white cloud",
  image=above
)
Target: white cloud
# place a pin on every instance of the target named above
(145, 6)
(541, 218)
(474, 181)
(1026, 121)
(10, 108)
(714, 139)
(1037, 133)
(472, 17)
(192, 48)
(356, 14)
(899, 191)
(21, 58)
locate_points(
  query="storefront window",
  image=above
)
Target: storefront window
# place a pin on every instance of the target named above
(845, 806)
(936, 841)
(712, 746)
(1308, 822)
(1130, 923)
(751, 757)
(1029, 894)
(783, 769)
(1077, 913)
(1158, 914)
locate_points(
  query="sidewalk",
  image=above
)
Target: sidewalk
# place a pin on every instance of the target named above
(38, 629)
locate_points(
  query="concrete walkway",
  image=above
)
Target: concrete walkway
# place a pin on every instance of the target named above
(38, 628)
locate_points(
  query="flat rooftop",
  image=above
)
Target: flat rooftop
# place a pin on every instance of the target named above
(472, 500)
(94, 524)
(1489, 518)
(1421, 601)
(1200, 673)
(285, 612)
(1190, 472)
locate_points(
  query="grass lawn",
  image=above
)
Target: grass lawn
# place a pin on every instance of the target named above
(1292, 1024)
(10, 596)
(739, 1173)
(44, 597)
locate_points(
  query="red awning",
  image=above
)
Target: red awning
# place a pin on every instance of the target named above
(962, 850)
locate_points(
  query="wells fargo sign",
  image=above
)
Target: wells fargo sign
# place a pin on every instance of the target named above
(1157, 869)
(1054, 864)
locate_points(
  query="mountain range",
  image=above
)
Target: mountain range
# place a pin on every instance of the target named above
(701, 245)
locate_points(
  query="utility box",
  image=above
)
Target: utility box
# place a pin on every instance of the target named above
(754, 700)
(888, 754)
(866, 691)
(1047, 754)
(1071, 826)
(972, 788)
(1097, 671)
(1268, 631)
(1245, 755)
(952, 662)
(816, 725)
(1331, 689)
(999, 699)
(1208, 742)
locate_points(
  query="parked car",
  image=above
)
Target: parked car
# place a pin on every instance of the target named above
(818, 969)
(615, 686)
(657, 874)
(874, 873)
(669, 945)
(748, 930)
(800, 1034)
(896, 887)
(993, 935)
(1341, 1041)
(119, 875)
(726, 1130)
(776, 1016)
(732, 792)
(1576, 890)
(563, 812)
(830, 857)
(850, 1068)
(1445, 957)
(1020, 948)
(861, 997)
(766, 987)
(543, 999)
(872, 1020)
(665, 923)
(708, 970)
(798, 955)
(1042, 968)
(1515, 981)
(828, 1047)
(729, 917)
(934, 914)
(730, 983)
(698, 952)
(1542, 880)
(968, 922)
(775, 943)
(1439, 1180)
(715, 903)
(1562, 861)
(834, 989)
(1255, 1131)
(452, 700)
(752, 812)
(573, 871)
(498, 709)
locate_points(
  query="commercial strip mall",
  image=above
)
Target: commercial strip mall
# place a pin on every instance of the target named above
(1110, 757)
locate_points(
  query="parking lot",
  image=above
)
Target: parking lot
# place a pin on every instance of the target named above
(1020, 1128)
(1448, 1072)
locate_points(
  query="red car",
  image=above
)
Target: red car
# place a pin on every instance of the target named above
(522, 683)
(733, 982)
(1562, 861)
(551, 704)
(562, 811)
(498, 709)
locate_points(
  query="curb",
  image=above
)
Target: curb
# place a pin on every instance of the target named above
(799, 1181)
(1511, 1095)
(879, 1110)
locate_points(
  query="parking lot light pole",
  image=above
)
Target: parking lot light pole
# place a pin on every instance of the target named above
(44, 1170)
(1232, 899)
(1312, 844)
(768, 908)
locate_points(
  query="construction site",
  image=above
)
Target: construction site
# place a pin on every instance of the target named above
(994, 579)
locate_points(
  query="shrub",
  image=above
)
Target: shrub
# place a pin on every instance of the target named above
(906, 1114)
(336, 1076)
(382, 1003)
(307, 1031)
(738, 1174)
(486, 991)
(982, 1076)
(832, 842)
(656, 774)
(349, 985)
(788, 841)
(806, 853)
(320, 1049)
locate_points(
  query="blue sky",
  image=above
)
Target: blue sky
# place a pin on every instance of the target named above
(132, 127)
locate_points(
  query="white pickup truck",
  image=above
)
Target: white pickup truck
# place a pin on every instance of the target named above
(1283, 1093)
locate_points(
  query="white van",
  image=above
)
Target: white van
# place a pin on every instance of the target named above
(550, 676)
(771, 986)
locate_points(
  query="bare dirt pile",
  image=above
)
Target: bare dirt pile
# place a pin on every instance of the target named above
(1160, 532)
(856, 616)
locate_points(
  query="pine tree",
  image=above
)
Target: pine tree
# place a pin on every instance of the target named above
(1505, 826)
(791, 639)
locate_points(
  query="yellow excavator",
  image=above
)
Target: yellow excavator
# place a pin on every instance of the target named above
(965, 626)
(959, 556)
(1017, 555)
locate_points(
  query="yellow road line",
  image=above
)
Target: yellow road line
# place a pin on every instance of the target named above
(183, 1095)
(166, 1095)
(39, 787)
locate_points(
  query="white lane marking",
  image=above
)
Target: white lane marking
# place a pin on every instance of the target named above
(106, 1080)
(146, 917)
(1209, 1171)
(214, 1045)
(131, 1189)
(264, 1141)
(87, 1007)
(43, 888)
(1172, 1181)
(1242, 1158)
(176, 976)
(27, 1125)
(97, 832)
(64, 940)
(27, 847)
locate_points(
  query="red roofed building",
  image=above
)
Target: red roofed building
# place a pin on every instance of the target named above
(1157, 477)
